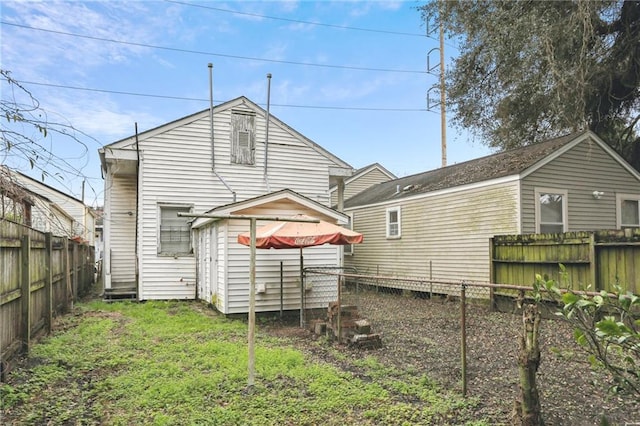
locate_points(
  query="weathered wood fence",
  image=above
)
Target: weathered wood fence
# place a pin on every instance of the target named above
(40, 277)
(599, 260)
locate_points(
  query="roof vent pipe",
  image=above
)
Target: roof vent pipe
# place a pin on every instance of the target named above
(266, 138)
(213, 158)
(397, 189)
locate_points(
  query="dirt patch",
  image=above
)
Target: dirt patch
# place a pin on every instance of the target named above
(424, 336)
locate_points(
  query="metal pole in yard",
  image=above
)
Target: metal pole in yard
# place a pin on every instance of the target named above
(301, 290)
(340, 278)
(463, 326)
(281, 289)
(252, 302)
(430, 279)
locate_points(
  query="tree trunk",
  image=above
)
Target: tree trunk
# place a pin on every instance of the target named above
(527, 411)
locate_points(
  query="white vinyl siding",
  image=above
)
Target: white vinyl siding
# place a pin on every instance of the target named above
(83, 220)
(176, 163)
(120, 222)
(444, 234)
(268, 273)
(627, 210)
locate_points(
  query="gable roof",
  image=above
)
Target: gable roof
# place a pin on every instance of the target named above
(516, 162)
(229, 209)
(363, 171)
(241, 101)
(24, 180)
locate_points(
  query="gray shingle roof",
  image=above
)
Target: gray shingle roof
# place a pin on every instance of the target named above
(494, 166)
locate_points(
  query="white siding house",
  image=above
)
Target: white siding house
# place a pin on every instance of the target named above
(56, 212)
(193, 165)
(438, 224)
(223, 275)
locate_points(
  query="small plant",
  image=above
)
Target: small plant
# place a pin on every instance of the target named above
(606, 324)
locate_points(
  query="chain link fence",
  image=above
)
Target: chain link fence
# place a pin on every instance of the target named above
(364, 305)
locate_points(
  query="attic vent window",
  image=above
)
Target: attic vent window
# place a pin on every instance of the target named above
(243, 138)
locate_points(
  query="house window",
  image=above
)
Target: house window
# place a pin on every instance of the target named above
(551, 211)
(175, 231)
(243, 137)
(628, 211)
(348, 249)
(393, 222)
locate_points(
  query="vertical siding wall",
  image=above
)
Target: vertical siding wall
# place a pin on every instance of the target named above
(177, 169)
(449, 229)
(583, 169)
(40, 275)
(599, 260)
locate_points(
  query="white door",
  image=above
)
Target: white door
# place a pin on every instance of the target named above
(202, 256)
(213, 263)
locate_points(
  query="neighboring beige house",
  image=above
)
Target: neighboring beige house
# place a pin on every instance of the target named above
(438, 224)
(361, 179)
(212, 158)
(50, 210)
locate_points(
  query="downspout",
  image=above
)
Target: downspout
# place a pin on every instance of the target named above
(137, 269)
(213, 160)
(266, 138)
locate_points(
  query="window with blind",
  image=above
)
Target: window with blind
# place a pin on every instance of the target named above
(393, 223)
(175, 231)
(628, 211)
(551, 211)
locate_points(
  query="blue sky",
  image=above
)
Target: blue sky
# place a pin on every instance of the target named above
(355, 84)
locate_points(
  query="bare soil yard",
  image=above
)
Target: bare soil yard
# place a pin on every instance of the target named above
(423, 335)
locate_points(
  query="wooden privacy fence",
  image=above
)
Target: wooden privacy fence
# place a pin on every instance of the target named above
(599, 260)
(40, 277)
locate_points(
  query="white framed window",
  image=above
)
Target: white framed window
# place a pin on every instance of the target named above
(627, 211)
(348, 249)
(551, 210)
(394, 222)
(174, 232)
(243, 137)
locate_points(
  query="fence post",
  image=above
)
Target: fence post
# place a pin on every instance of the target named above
(463, 327)
(492, 275)
(48, 283)
(68, 304)
(76, 274)
(593, 263)
(25, 292)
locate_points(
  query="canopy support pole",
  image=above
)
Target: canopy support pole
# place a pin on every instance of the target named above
(252, 302)
(301, 290)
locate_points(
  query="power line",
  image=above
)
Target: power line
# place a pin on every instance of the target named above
(199, 52)
(298, 21)
(116, 92)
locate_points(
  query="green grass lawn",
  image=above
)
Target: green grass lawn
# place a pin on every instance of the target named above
(178, 363)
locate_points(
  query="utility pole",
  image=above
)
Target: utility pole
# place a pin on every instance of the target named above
(433, 102)
(443, 109)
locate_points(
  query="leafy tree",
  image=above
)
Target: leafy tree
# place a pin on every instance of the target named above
(531, 70)
(606, 324)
